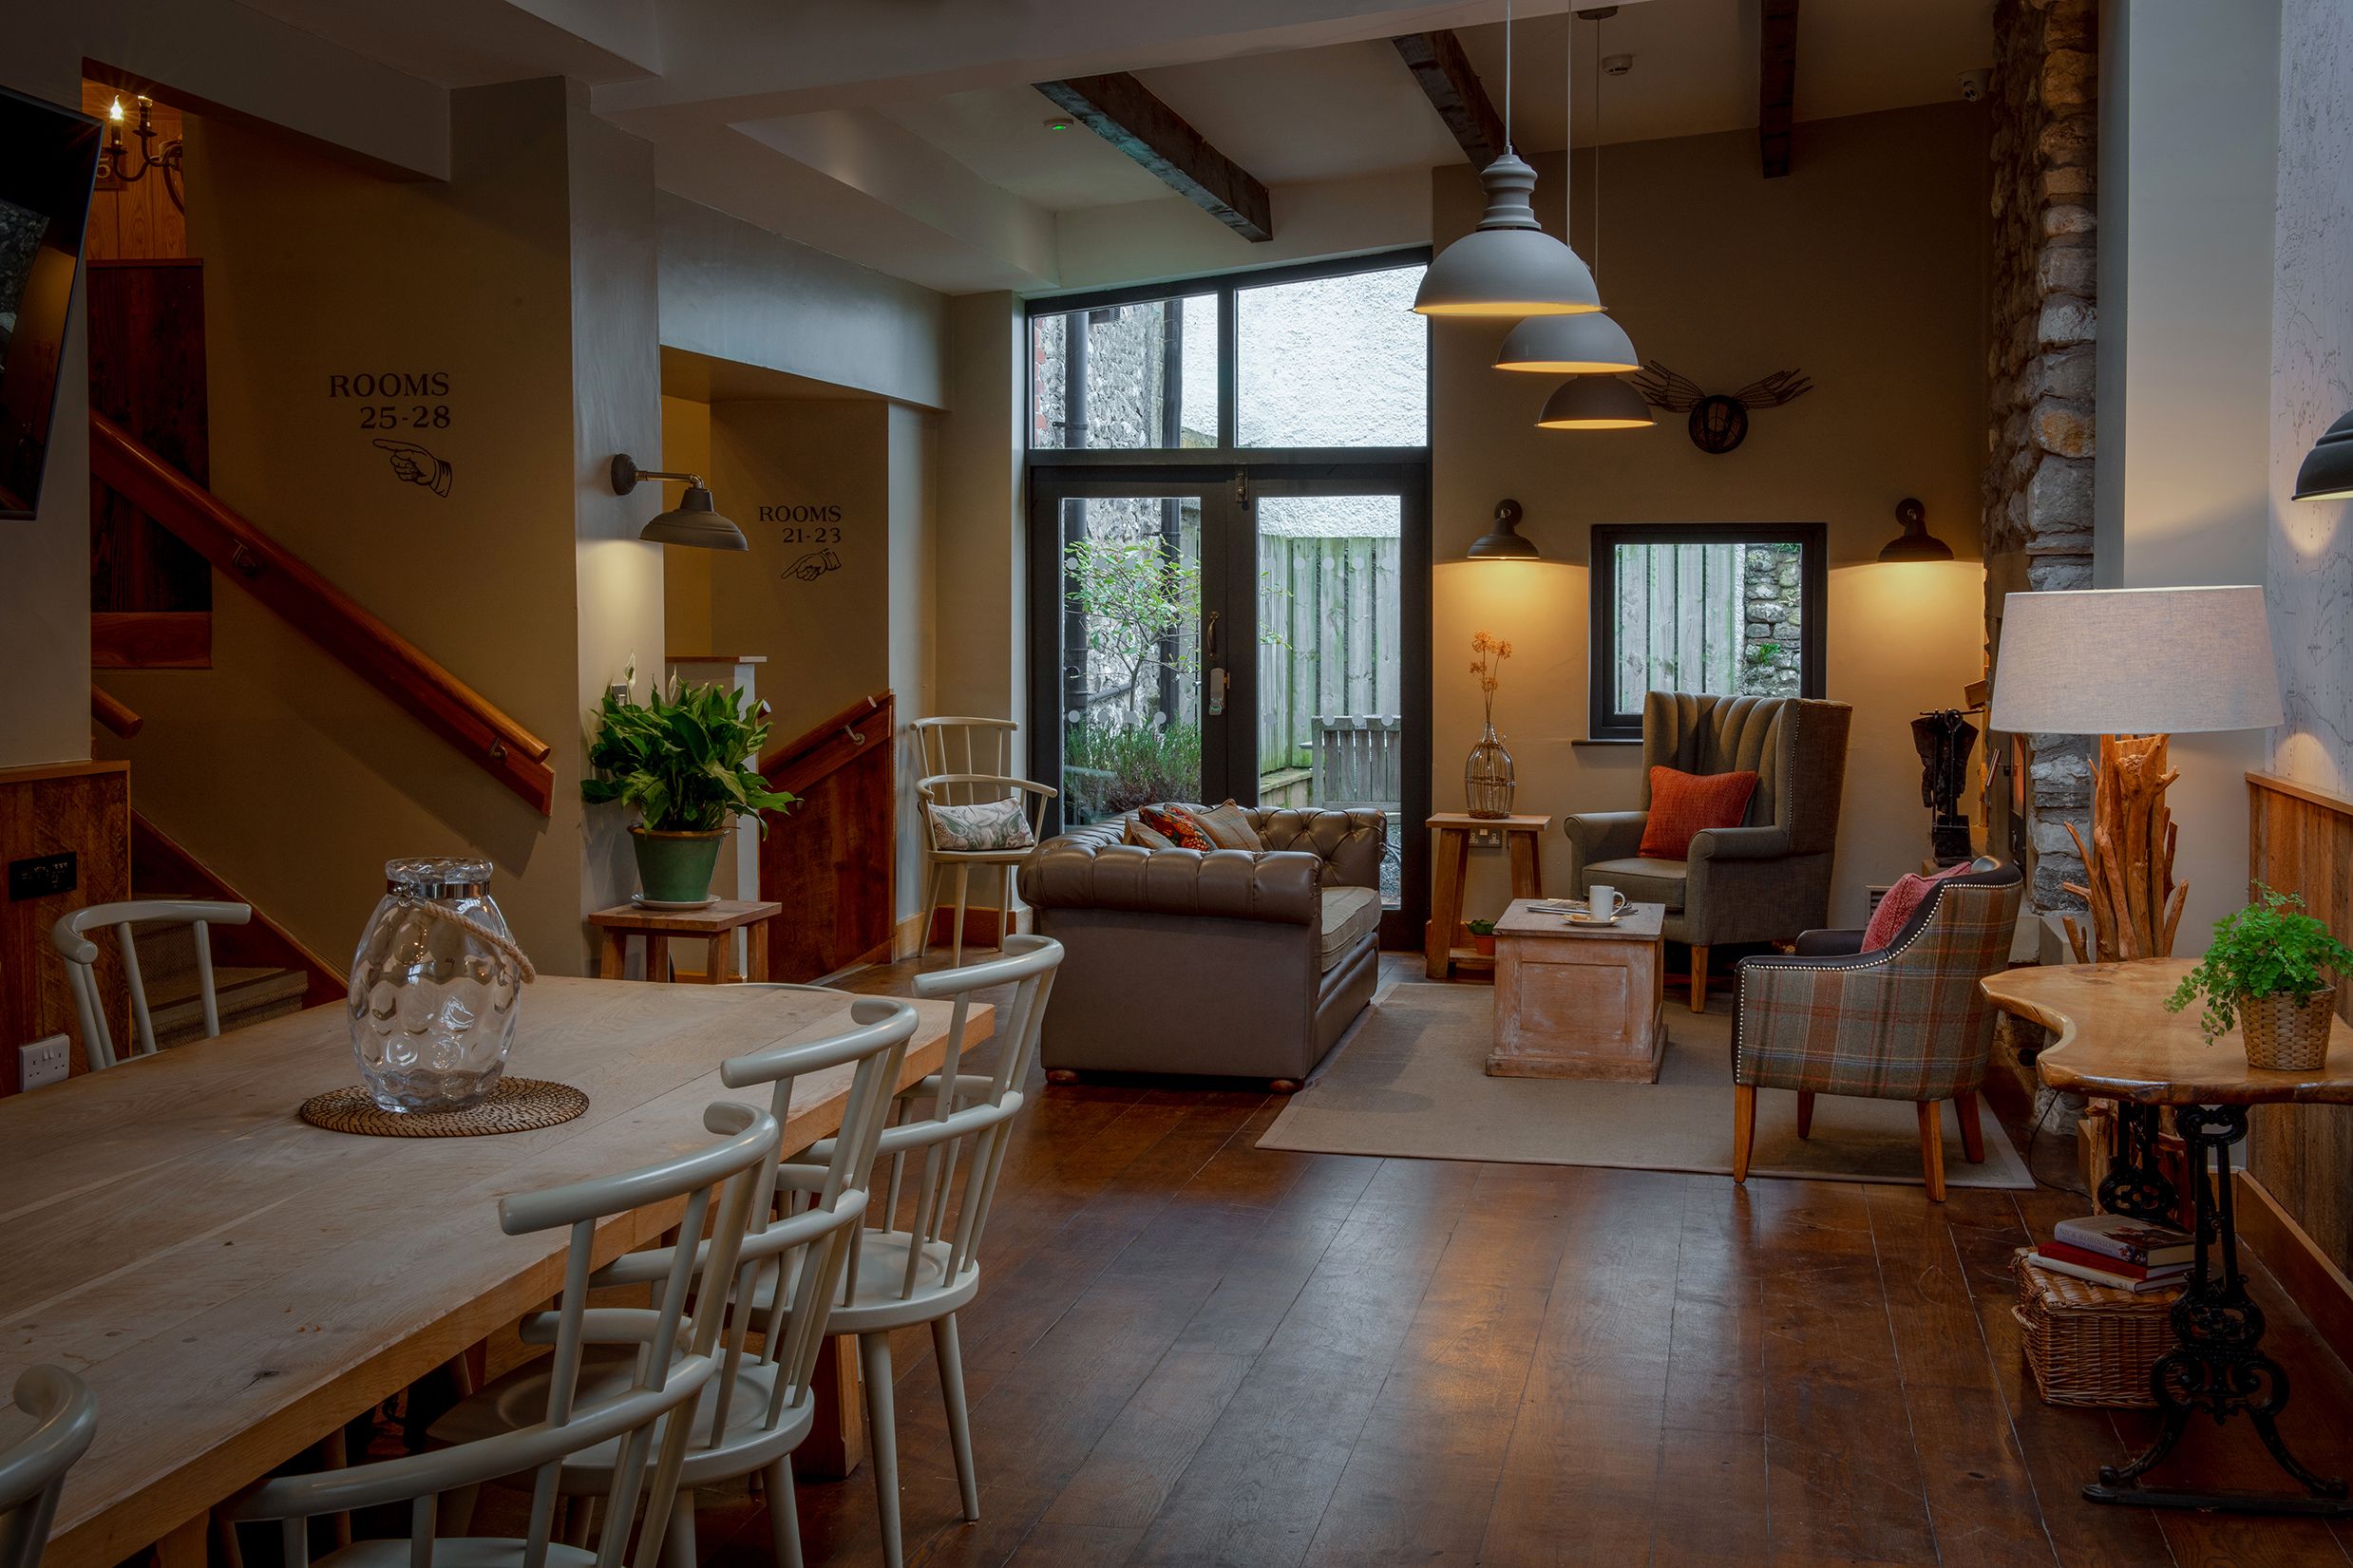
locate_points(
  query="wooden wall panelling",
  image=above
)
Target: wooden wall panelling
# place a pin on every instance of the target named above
(2301, 840)
(146, 338)
(831, 860)
(138, 222)
(80, 806)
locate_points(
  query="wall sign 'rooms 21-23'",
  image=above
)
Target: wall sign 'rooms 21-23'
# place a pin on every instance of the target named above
(412, 402)
(812, 527)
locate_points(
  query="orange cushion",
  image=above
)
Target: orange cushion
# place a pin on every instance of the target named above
(1684, 804)
(1900, 903)
(1178, 827)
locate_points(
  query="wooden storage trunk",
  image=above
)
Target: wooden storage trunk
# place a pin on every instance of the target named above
(2087, 1344)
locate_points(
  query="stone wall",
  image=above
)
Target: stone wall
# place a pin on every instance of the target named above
(2037, 486)
(1770, 630)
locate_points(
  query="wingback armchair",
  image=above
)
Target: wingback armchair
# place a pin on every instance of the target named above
(1768, 878)
(1905, 1021)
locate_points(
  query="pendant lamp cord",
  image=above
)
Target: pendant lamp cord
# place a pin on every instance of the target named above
(1597, 148)
(1507, 77)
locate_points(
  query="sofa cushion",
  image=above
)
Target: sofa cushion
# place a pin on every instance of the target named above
(984, 825)
(1227, 826)
(1350, 914)
(1902, 901)
(1683, 805)
(1178, 825)
(1143, 838)
(1643, 880)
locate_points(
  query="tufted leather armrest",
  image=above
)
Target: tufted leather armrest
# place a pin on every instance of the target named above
(1091, 869)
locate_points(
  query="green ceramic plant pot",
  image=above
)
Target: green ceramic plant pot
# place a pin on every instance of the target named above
(674, 868)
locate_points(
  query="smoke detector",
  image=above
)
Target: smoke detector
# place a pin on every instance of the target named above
(1617, 65)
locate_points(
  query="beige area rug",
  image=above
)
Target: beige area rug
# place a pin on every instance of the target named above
(1409, 1080)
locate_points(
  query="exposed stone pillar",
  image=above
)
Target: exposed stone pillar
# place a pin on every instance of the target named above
(2039, 369)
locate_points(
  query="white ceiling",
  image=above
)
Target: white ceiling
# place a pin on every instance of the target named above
(903, 134)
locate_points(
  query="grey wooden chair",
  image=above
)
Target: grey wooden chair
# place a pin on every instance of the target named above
(671, 1360)
(760, 1406)
(922, 1263)
(81, 955)
(33, 1469)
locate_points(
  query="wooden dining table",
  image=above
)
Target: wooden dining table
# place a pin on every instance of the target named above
(235, 1284)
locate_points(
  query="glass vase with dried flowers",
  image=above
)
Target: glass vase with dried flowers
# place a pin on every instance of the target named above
(1487, 782)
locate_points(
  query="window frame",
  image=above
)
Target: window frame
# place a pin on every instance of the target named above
(1223, 287)
(1602, 722)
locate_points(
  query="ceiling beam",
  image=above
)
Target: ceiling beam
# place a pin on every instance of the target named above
(1123, 111)
(1776, 84)
(1437, 62)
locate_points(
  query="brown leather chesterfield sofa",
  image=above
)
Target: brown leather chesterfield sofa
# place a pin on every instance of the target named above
(1229, 963)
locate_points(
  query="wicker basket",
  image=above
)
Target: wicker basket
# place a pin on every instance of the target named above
(2281, 1034)
(2087, 1344)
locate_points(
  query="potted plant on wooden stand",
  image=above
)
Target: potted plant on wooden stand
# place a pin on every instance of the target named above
(1482, 936)
(2266, 974)
(687, 761)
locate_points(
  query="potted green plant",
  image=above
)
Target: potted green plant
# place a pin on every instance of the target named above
(1483, 936)
(685, 759)
(2267, 973)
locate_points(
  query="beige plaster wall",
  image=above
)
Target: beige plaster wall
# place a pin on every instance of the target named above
(278, 766)
(1863, 267)
(982, 620)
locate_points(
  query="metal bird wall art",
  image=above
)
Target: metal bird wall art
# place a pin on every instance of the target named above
(1719, 421)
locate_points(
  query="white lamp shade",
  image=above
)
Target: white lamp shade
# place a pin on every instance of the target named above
(2135, 661)
(1591, 344)
(1507, 266)
(1594, 402)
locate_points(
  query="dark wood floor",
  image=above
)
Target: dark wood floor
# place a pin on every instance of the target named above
(1191, 1351)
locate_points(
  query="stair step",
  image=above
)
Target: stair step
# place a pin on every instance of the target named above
(244, 996)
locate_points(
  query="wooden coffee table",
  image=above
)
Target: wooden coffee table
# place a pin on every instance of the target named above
(1579, 1001)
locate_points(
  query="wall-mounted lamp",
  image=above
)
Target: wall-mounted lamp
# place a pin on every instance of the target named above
(1915, 542)
(1505, 542)
(2326, 473)
(694, 520)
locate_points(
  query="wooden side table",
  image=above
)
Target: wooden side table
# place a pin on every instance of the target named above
(1578, 1000)
(2116, 1042)
(1441, 942)
(715, 927)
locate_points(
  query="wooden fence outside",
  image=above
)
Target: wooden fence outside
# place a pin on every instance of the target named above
(1679, 625)
(1330, 608)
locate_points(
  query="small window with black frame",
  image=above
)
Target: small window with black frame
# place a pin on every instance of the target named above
(1723, 609)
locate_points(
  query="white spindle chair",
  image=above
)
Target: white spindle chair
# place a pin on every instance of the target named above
(33, 1469)
(923, 1266)
(977, 790)
(81, 955)
(950, 745)
(760, 1407)
(673, 1361)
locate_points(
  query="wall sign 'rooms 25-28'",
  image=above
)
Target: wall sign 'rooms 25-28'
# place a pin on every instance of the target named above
(408, 400)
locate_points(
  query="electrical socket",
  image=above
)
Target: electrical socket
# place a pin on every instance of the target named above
(43, 1062)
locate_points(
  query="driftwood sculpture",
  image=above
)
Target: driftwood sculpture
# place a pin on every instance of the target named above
(2136, 904)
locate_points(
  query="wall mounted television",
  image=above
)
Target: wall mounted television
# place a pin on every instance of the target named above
(49, 161)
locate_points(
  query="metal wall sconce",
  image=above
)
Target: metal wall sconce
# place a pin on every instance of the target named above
(2326, 473)
(694, 520)
(1505, 542)
(1915, 542)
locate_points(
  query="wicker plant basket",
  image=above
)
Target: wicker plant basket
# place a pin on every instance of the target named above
(2087, 1344)
(2279, 1033)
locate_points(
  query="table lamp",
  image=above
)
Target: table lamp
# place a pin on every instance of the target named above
(2132, 665)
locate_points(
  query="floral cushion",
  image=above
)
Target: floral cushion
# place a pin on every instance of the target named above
(1178, 825)
(1227, 826)
(986, 825)
(1143, 838)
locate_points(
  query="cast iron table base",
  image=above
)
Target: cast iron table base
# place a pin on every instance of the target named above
(2217, 1366)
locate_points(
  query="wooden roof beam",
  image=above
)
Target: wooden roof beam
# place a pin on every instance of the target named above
(1437, 62)
(1776, 84)
(1124, 112)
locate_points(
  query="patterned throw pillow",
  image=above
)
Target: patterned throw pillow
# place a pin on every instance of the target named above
(1177, 825)
(1682, 805)
(1143, 838)
(1227, 826)
(1900, 903)
(990, 824)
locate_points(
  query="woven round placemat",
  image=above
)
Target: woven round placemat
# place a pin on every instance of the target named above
(518, 1105)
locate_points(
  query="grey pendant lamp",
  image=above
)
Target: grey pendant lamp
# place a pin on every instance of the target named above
(1575, 344)
(694, 521)
(1507, 266)
(1595, 403)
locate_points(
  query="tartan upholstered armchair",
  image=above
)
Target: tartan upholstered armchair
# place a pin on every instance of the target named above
(1903, 1022)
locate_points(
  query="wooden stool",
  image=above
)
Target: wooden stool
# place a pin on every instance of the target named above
(715, 926)
(1441, 940)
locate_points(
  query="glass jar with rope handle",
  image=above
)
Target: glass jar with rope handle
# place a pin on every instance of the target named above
(436, 986)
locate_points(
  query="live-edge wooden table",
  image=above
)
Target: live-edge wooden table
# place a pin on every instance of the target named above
(2118, 1041)
(1522, 843)
(234, 1283)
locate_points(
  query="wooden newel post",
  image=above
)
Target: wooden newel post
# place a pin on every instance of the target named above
(2134, 903)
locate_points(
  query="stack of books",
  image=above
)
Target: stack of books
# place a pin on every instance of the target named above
(2120, 1253)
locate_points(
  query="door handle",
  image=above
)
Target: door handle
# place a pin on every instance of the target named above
(1217, 689)
(1209, 633)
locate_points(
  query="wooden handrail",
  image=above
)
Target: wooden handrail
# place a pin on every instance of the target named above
(823, 747)
(114, 712)
(325, 614)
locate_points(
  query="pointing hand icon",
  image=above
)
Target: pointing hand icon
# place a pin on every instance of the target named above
(814, 565)
(413, 464)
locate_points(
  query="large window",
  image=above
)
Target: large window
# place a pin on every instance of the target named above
(1725, 609)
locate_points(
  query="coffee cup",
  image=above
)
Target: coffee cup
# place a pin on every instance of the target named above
(1603, 902)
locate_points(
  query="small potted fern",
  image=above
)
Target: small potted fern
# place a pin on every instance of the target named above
(687, 759)
(2266, 974)
(1482, 936)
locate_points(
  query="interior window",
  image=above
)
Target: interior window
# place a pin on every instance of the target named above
(1144, 376)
